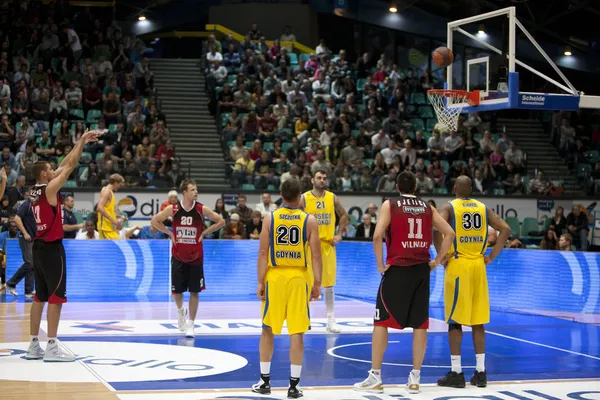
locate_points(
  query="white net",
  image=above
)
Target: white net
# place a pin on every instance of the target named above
(448, 105)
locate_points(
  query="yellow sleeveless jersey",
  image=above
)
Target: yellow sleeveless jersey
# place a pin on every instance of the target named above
(469, 221)
(323, 208)
(288, 239)
(103, 223)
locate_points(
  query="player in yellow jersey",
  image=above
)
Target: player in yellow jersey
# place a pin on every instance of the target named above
(324, 205)
(108, 222)
(283, 282)
(466, 298)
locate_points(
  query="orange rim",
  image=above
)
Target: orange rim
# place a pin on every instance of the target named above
(471, 97)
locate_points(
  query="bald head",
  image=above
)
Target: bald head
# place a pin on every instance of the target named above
(463, 186)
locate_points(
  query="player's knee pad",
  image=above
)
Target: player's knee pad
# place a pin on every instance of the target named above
(452, 327)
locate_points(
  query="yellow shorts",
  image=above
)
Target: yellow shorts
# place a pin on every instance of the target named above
(466, 298)
(110, 235)
(287, 300)
(328, 276)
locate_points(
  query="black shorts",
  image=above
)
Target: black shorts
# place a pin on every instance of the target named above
(186, 277)
(50, 270)
(403, 298)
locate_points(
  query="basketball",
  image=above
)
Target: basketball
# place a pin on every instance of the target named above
(443, 56)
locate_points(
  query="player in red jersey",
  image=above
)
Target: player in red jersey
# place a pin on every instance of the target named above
(187, 272)
(49, 260)
(403, 297)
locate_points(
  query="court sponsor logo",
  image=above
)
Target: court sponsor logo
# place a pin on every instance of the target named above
(533, 100)
(211, 327)
(119, 362)
(525, 391)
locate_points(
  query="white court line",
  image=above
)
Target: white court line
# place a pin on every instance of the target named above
(514, 338)
(89, 369)
(86, 312)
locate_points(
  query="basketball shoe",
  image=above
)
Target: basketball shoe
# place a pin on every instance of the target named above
(414, 383)
(452, 379)
(34, 351)
(12, 290)
(294, 392)
(181, 319)
(55, 354)
(189, 330)
(332, 326)
(372, 384)
(479, 379)
(263, 386)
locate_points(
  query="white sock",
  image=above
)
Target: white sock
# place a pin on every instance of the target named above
(34, 338)
(51, 340)
(329, 301)
(456, 367)
(416, 373)
(180, 309)
(296, 370)
(265, 368)
(376, 372)
(480, 365)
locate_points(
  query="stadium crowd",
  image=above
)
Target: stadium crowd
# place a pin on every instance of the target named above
(284, 115)
(62, 71)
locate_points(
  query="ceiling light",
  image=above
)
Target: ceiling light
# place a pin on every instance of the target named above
(481, 30)
(142, 17)
(568, 51)
(393, 9)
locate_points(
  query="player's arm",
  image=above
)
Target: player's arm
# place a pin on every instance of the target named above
(302, 203)
(3, 183)
(129, 232)
(263, 252)
(219, 222)
(104, 199)
(444, 212)
(68, 165)
(157, 221)
(382, 224)
(71, 228)
(500, 225)
(443, 227)
(344, 220)
(315, 249)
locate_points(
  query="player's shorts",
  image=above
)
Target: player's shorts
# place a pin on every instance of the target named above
(108, 235)
(466, 298)
(403, 298)
(50, 271)
(287, 300)
(328, 257)
(186, 277)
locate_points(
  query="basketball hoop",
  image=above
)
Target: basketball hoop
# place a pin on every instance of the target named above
(448, 105)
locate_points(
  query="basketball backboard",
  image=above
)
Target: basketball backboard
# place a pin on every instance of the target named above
(493, 71)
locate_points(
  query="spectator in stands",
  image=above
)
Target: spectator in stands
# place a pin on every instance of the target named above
(58, 107)
(486, 144)
(89, 233)
(565, 242)
(559, 222)
(387, 183)
(366, 229)
(577, 225)
(266, 205)
(515, 156)
(497, 156)
(539, 185)
(264, 172)
(550, 242)
(234, 228)
(254, 226)
(473, 123)
(567, 136)
(424, 183)
(408, 155)
(453, 146)
(436, 145)
(242, 98)
(436, 172)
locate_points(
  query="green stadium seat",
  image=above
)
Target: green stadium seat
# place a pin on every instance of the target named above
(360, 84)
(304, 57)
(93, 126)
(18, 126)
(418, 98)
(285, 146)
(426, 112)
(547, 223)
(70, 184)
(411, 109)
(515, 226)
(55, 128)
(440, 191)
(85, 158)
(355, 133)
(531, 225)
(498, 192)
(248, 186)
(249, 144)
(78, 114)
(445, 164)
(271, 188)
(267, 145)
(78, 216)
(112, 128)
(369, 162)
(293, 58)
(230, 79)
(353, 220)
(592, 156)
(417, 124)
(93, 115)
(583, 170)
(218, 91)
(430, 124)
(230, 144)
(361, 108)
(224, 118)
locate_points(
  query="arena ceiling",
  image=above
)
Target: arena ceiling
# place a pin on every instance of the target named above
(572, 22)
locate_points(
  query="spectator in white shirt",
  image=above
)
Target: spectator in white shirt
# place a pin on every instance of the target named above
(74, 43)
(435, 144)
(327, 135)
(321, 87)
(515, 156)
(103, 67)
(287, 36)
(567, 136)
(322, 48)
(424, 183)
(380, 141)
(408, 154)
(88, 233)
(474, 121)
(390, 152)
(212, 57)
(266, 205)
(453, 146)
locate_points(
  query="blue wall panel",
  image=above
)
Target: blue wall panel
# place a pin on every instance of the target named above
(518, 279)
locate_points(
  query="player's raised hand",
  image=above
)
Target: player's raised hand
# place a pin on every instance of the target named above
(171, 237)
(260, 292)
(90, 136)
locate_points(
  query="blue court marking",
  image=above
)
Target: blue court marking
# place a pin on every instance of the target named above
(508, 358)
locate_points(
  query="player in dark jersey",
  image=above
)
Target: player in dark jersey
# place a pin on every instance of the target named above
(403, 297)
(49, 261)
(187, 272)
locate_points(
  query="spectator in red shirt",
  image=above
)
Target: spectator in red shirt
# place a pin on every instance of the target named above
(379, 76)
(256, 150)
(166, 148)
(92, 97)
(267, 126)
